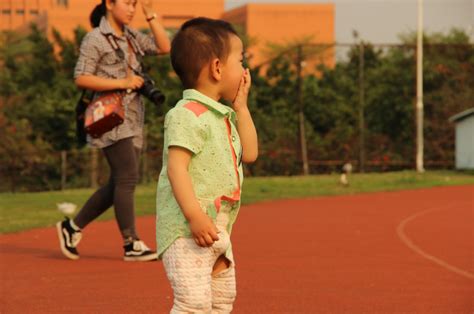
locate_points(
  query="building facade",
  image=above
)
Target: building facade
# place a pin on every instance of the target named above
(286, 24)
(464, 124)
(66, 15)
(263, 23)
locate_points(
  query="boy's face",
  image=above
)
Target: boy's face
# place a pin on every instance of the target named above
(232, 70)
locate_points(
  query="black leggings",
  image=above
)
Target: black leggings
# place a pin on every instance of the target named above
(123, 159)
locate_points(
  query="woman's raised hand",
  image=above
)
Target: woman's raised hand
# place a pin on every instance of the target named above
(147, 6)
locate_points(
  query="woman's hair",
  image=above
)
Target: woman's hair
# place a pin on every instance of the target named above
(99, 11)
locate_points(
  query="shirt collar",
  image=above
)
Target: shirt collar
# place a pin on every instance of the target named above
(106, 29)
(193, 94)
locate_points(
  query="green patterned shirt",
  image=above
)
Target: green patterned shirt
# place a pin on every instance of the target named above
(208, 130)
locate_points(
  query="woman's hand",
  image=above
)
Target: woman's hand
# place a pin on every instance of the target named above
(147, 6)
(162, 41)
(132, 82)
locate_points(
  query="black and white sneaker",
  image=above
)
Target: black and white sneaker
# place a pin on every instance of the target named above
(68, 239)
(137, 251)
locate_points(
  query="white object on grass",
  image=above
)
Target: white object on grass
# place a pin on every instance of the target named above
(347, 168)
(344, 180)
(66, 208)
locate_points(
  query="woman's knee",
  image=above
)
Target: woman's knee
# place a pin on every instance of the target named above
(126, 177)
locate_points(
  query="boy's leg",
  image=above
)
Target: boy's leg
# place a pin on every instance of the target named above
(223, 275)
(189, 268)
(223, 286)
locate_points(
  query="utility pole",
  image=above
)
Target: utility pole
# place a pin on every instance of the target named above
(419, 90)
(361, 114)
(361, 109)
(304, 151)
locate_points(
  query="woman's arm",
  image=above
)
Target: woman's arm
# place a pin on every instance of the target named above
(161, 37)
(159, 33)
(101, 84)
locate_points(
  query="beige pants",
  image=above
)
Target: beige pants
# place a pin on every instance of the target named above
(189, 270)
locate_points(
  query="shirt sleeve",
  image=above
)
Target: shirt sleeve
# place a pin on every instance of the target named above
(184, 129)
(147, 43)
(89, 56)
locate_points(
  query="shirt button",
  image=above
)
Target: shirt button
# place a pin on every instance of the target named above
(233, 138)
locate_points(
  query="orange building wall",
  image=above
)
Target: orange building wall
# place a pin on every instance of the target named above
(176, 12)
(280, 23)
(265, 23)
(67, 18)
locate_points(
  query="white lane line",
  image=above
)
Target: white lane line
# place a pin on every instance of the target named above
(405, 239)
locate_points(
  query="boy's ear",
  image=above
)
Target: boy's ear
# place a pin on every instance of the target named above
(216, 69)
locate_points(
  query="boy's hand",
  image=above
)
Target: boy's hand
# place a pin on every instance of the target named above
(240, 101)
(203, 229)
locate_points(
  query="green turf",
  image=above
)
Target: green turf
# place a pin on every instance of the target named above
(24, 211)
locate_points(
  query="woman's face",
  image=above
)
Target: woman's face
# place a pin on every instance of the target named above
(122, 11)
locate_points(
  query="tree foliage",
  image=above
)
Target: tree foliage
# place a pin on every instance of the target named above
(38, 96)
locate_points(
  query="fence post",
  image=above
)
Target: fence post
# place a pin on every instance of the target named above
(63, 169)
(94, 162)
(144, 156)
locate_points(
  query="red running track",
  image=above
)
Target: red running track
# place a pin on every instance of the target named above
(396, 252)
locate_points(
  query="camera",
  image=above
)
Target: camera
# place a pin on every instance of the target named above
(150, 91)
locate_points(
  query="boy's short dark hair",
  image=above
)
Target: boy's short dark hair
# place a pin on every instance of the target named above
(197, 42)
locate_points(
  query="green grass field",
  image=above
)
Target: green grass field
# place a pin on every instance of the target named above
(25, 211)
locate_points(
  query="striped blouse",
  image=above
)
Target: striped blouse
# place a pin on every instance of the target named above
(97, 57)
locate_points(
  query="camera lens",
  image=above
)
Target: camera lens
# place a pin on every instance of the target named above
(151, 92)
(157, 97)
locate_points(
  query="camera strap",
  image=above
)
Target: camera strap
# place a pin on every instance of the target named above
(132, 49)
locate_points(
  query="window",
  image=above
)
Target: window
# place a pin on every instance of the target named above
(34, 12)
(63, 3)
(20, 12)
(6, 12)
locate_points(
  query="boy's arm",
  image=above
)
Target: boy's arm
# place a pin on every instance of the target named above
(248, 136)
(203, 229)
(245, 125)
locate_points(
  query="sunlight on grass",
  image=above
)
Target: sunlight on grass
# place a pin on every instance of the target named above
(24, 211)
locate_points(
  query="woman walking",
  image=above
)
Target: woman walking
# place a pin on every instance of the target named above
(109, 60)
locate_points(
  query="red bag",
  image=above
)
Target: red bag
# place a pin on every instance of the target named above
(107, 111)
(104, 113)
